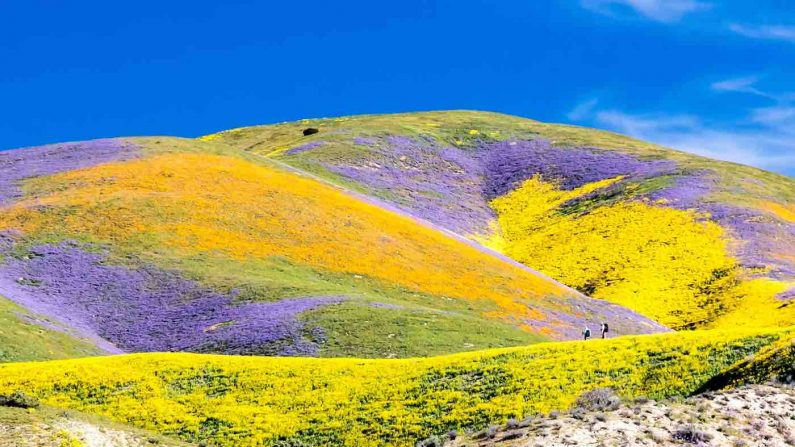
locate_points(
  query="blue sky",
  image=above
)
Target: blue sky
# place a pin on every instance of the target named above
(711, 77)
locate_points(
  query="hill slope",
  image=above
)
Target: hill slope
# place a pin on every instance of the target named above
(245, 401)
(687, 241)
(164, 244)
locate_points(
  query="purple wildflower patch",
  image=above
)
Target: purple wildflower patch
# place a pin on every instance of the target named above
(365, 141)
(760, 237)
(148, 309)
(687, 191)
(439, 184)
(787, 295)
(508, 163)
(305, 147)
(19, 164)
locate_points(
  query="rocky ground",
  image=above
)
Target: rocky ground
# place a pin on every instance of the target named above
(759, 415)
(46, 427)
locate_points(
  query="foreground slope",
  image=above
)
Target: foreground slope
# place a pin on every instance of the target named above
(50, 427)
(687, 241)
(246, 401)
(758, 415)
(165, 244)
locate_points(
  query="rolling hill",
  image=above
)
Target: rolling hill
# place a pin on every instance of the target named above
(390, 245)
(163, 244)
(687, 241)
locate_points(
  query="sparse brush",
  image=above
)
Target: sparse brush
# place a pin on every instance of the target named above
(600, 399)
(692, 435)
(18, 399)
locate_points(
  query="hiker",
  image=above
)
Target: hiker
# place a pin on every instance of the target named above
(586, 333)
(605, 329)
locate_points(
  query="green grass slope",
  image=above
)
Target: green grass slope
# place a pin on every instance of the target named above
(24, 337)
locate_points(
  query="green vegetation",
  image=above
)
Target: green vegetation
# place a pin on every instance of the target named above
(23, 338)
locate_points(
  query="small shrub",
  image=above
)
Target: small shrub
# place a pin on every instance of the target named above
(578, 413)
(692, 435)
(433, 441)
(601, 417)
(18, 399)
(600, 399)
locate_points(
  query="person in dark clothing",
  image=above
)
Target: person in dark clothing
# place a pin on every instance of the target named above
(586, 333)
(605, 329)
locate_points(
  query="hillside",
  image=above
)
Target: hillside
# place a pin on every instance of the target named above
(246, 401)
(687, 241)
(217, 267)
(165, 244)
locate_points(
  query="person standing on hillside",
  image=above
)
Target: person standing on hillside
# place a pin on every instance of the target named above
(604, 330)
(586, 333)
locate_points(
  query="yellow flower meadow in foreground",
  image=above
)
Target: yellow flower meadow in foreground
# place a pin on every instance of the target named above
(183, 205)
(246, 401)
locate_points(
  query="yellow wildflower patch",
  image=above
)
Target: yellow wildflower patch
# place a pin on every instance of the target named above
(664, 263)
(785, 212)
(247, 401)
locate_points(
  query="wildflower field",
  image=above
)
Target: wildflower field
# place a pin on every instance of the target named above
(687, 241)
(438, 264)
(242, 401)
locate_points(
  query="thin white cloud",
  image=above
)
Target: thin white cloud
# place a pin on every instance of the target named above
(768, 32)
(776, 116)
(741, 85)
(583, 109)
(748, 85)
(658, 10)
(765, 138)
(769, 145)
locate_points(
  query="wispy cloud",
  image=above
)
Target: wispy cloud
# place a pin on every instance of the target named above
(749, 85)
(776, 116)
(765, 137)
(768, 32)
(583, 109)
(769, 145)
(658, 10)
(740, 85)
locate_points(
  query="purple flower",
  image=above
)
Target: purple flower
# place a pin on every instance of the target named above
(440, 184)
(305, 147)
(787, 295)
(19, 164)
(365, 141)
(508, 163)
(149, 309)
